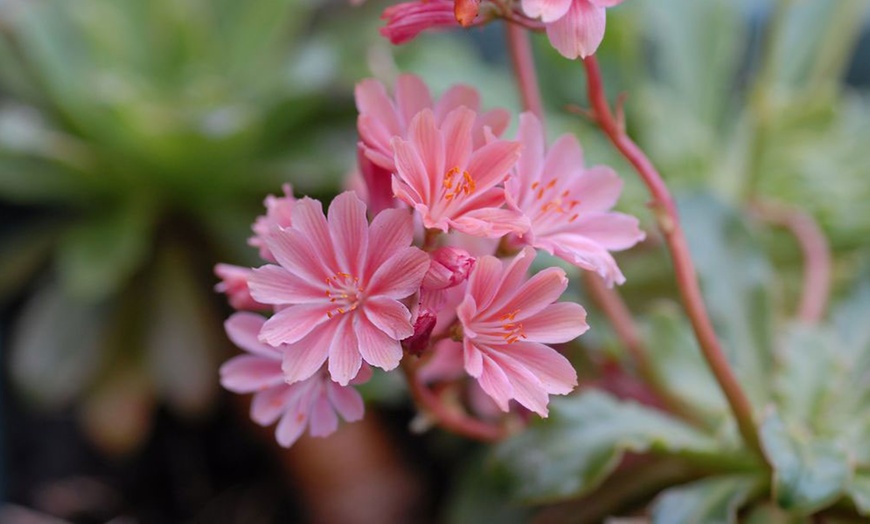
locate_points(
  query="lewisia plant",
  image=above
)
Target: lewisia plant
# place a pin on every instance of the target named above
(431, 261)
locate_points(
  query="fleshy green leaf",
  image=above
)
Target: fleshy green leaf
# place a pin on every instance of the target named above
(714, 500)
(181, 339)
(98, 255)
(56, 346)
(679, 363)
(583, 441)
(735, 277)
(809, 473)
(859, 490)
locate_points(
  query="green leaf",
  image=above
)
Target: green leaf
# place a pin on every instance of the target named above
(735, 277)
(180, 342)
(698, 53)
(678, 361)
(771, 514)
(584, 439)
(809, 473)
(480, 495)
(859, 491)
(56, 346)
(97, 256)
(714, 500)
(22, 254)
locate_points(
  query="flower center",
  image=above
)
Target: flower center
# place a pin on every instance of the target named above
(513, 331)
(343, 290)
(457, 185)
(559, 205)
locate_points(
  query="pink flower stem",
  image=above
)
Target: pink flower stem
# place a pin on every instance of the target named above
(524, 68)
(448, 418)
(666, 214)
(816, 253)
(607, 299)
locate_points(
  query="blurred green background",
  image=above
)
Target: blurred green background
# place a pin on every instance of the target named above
(138, 139)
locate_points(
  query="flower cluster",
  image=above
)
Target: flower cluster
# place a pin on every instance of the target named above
(574, 27)
(430, 261)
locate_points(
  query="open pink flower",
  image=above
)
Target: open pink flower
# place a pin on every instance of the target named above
(506, 321)
(381, 118)
(337, 288)
(278, 213)
(569, 205)
(451, 183)
(314, 403)
(574, 27)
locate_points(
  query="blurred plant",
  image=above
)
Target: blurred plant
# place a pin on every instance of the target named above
(141, 134)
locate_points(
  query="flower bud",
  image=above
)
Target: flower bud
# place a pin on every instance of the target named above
(449, 266)
(423, 326)
(234, 283)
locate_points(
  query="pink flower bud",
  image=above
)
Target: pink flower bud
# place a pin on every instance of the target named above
(234, 283)
(449, 266)
(423, 326)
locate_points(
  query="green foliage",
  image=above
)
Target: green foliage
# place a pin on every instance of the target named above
(809, 386)
(584, 440)
(148, 132)
(712, 501)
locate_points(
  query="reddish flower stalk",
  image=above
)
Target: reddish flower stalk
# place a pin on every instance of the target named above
(447, 417)
(816, 253)
(666, 214)
(524, 68)
(607, 299)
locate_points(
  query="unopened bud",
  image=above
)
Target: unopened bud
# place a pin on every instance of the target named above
(466, 11)
(423, 326)
(234, 283)
(449, 266)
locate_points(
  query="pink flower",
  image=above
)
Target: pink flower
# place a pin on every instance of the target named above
(451, 183)
(574, 27)
(569, 205)
(278, 214)
(315, 402)
(337, 288)
(382, 118)
(407, 20)
(506, 320)
(234, 282)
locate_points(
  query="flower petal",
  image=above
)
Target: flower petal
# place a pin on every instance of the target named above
(390, 231)
(612, 231)
(292, 424)
(348, 229)
(293, 323)
(495, 383)
(243, 329)
(268, 405)
(547, 10)
(347, 401)
(401, 274)
(554, 372)
(580, 31)
(376, 347)
(429, 144)
(556, 323)
(304, 358)
(390, 316)
(457, 96)
(323, 420)
(412, 96)
(275, 285)
(247, 374)
(534, 295)
(344, 353)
